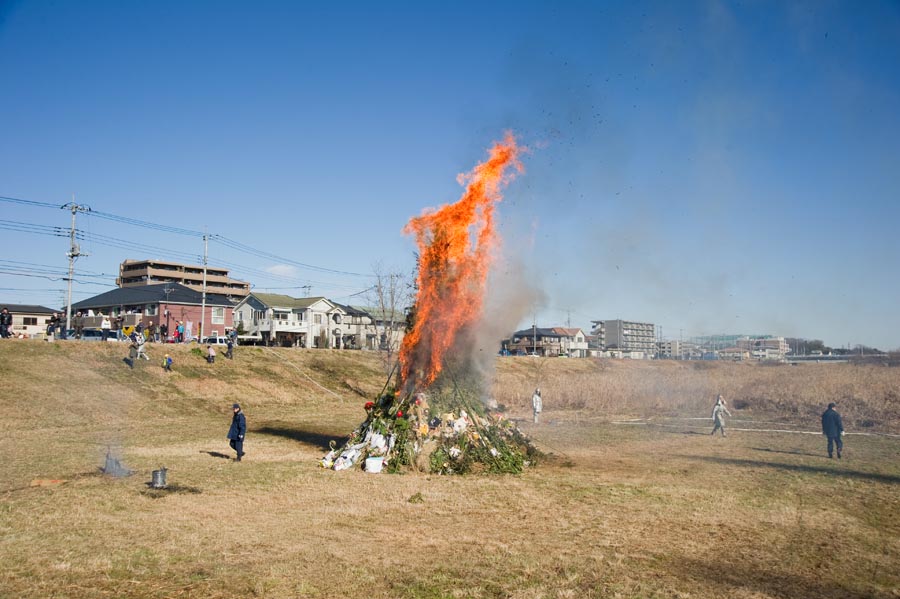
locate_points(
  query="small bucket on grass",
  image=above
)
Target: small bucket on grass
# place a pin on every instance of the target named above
(159, 479)
(374, 465)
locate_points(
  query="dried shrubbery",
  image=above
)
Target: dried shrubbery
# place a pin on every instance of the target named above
(868, 395)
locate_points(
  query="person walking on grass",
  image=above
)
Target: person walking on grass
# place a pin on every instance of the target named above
(132, 352)
(833, 428)
(229, 351)
(718, 414)
(537, 404)
(167, 363)
(139, 342)
(237, 431)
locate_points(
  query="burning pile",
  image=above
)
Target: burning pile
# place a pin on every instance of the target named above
(433, 419)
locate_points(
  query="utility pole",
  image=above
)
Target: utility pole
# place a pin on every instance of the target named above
(73, 253)
(308, 289)
(203, 300)
(167, 290)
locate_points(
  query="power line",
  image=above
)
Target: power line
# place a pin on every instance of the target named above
(262, 254)
(147, 225)
(27, 202)
(11, 225)
(123, 244)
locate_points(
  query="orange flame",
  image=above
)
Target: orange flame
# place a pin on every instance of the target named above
(455, 252)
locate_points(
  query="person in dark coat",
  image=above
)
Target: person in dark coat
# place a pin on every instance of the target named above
(237, 431)
(833, 428)
(229, 353)
(6, 323)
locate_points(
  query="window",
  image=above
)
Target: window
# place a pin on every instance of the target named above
(218, 315)
(318, 319)
(151, 310)
(27, 320)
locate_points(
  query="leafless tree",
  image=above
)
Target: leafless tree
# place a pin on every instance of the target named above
(389, 299)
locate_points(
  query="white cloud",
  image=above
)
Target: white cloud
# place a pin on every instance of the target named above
(282, 270)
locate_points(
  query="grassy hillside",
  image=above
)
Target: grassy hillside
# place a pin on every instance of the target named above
(651, 509)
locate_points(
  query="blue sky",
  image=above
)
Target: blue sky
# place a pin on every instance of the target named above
(711, 167)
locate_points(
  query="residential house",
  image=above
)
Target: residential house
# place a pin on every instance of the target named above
(765, 347)
(285, 321)
(555, 341)
(573, 342)
(28, 320)
(160, 304)
(734, 353)
(389, 327)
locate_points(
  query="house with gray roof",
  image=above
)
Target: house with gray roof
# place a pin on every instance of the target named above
(28, 320)
(161, 304)
(285, 321)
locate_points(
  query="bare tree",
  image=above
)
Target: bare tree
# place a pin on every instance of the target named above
(389, 299)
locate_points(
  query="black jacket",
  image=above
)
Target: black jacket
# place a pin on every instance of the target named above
(238, 426)
(831, 423)
(6, 319)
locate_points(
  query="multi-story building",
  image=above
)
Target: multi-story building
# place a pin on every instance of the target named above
(765, 348)
(133, 273)
(626, 336)
(671, 349)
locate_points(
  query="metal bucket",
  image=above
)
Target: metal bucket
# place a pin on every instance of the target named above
(159, 479)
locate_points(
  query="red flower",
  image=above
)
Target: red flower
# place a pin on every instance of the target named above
(399, 413)
(369, 405)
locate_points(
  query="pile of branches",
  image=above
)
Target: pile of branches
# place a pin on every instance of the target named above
(446, 431)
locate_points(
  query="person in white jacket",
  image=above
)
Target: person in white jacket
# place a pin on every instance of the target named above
(537, 404)
(718, 414)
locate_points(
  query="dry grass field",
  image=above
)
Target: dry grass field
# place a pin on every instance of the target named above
(651, 508)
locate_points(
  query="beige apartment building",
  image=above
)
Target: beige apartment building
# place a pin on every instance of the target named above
(133, 273)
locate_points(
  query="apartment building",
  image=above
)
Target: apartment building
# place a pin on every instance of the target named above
(626, 336)
(765, 348)
(134, 273)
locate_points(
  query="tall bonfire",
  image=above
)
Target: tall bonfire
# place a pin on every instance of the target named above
(433, 415)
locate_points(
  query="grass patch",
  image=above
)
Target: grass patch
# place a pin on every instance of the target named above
(621, 511)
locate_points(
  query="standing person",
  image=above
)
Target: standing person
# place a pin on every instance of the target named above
(132, 351)
(229, 352)
(78, 323)
(718, 414)
(5, 323)
(164, 333)
(537, 404)
(180, 329)
(210, 354)
(237, 431)
(167, 363)
(105, 326)
(52, 325)
(833, 428)
(141, 349)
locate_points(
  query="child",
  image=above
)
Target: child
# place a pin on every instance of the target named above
(210, 354)
(167, 363)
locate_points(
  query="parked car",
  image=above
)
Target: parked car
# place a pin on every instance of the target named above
(217, 340)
